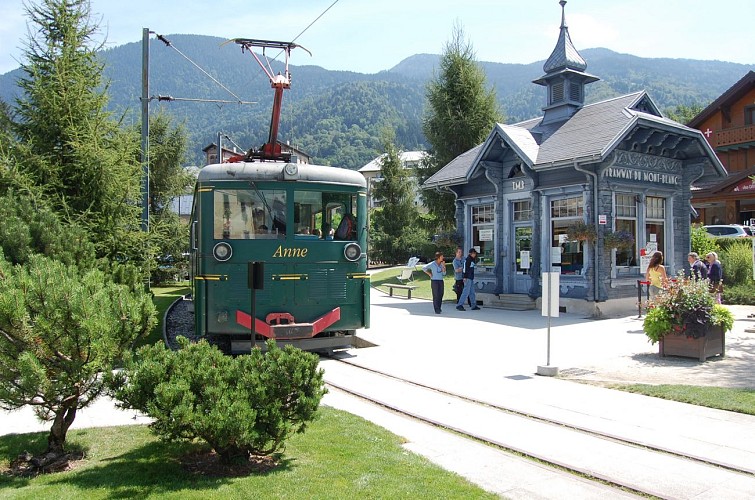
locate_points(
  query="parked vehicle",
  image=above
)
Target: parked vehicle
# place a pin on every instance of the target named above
(729, 231)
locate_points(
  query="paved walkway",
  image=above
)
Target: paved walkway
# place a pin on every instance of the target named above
(492, 356)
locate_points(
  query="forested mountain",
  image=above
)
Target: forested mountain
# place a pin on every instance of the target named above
(336, 116)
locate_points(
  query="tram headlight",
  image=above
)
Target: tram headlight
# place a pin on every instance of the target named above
(222, 251)
(352, 251)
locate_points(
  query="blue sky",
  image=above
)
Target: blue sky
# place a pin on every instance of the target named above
(368, 36)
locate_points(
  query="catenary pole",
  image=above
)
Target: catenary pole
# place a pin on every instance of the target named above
(145, 129)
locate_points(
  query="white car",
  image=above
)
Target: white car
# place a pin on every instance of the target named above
(729, 231)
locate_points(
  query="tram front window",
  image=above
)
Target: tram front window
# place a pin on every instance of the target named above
(325, 215)
(249, 214)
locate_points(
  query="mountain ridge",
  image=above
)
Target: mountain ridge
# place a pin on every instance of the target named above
(337, 115)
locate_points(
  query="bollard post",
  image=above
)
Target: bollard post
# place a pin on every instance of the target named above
(639, 298)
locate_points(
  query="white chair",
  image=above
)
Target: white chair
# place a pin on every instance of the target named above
(406, 275)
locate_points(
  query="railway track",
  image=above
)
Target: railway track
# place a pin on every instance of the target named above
(625, 460)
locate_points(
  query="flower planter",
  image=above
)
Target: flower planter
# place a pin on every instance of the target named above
(712, 344)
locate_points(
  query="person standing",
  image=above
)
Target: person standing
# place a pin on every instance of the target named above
(656, 274)
(697, 270)
(468, 277)
(458, 265)
(436, 270)
(715, 275)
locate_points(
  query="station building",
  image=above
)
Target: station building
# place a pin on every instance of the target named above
(618, 165)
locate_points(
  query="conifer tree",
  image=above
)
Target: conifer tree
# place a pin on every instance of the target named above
(60, 329)
(168, 235)
(68, 144)
(396, 232)
(461, 112)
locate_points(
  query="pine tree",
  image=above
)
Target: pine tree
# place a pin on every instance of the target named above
(460, 114)
(59, 331)
(68, 144)
(396, 232)
(168, 235)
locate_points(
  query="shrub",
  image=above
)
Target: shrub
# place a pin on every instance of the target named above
(60, 330)
(242, 406)
(740, 294)
(702, 242)
(736, 261)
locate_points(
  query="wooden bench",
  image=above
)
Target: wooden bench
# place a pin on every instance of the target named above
(408, 289)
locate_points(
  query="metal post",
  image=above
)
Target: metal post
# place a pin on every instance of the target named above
(548, 358)
(639, 298)
(145, 128)
(254, 316)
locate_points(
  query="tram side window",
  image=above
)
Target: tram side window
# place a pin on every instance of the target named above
(249, 214)
(325, 215)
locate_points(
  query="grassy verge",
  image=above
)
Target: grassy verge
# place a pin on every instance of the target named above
(164, 296)
(722, 398)
(340, 456)
(421, 281)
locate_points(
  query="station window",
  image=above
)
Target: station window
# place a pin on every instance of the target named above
(522, 210)
(483, 233)
(626, 220)
(655, 217)
(569, 255)
(249, 214)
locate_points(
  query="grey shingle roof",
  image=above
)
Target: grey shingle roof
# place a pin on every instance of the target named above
(455, 170)
(593, 131)
(587, 132)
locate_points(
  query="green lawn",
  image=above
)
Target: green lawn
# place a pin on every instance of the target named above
(722, 398)
(421, 280)
(339, 456)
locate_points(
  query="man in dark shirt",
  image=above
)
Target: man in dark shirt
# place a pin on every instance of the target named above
(468, 276)
(697, 269)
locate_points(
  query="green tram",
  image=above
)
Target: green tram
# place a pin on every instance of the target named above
(301, 230)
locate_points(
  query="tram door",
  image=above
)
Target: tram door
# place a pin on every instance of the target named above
(521, 261)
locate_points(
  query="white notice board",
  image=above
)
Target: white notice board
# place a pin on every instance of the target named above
(550, 294)
(524, 259)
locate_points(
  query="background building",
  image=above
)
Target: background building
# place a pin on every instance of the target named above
(728, 125)
(371, 172)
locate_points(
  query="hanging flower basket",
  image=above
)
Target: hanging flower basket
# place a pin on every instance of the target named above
(580, 231)
(620, 240)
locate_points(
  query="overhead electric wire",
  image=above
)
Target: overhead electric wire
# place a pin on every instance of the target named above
(170, 44)
(221, 101)
(313, 22)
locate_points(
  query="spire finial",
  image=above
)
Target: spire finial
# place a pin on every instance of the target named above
(562, 3)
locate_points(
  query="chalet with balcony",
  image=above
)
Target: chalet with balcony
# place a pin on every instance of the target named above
(728, 125)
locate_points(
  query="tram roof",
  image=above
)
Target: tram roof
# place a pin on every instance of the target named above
(274, 171)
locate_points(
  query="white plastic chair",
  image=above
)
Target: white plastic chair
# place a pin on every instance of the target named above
(406, 275)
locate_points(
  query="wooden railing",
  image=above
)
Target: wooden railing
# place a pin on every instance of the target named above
(731, 136)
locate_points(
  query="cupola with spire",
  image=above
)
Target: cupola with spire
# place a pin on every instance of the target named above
(565, 77)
